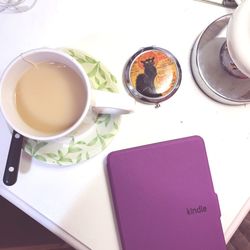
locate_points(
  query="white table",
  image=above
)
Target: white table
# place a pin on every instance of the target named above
(74, 201)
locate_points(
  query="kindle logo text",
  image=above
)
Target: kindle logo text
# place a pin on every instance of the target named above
(199, 210)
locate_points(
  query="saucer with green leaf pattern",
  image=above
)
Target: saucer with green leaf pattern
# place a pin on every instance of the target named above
(78, 147)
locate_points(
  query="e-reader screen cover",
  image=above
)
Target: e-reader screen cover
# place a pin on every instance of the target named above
(163, 197)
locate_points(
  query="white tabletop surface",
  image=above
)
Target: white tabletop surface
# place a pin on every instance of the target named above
(74, 201)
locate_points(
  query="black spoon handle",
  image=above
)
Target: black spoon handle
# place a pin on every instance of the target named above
(12, 164)
(230, 3)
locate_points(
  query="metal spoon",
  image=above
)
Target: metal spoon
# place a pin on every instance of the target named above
(12, 164)
(225, 3)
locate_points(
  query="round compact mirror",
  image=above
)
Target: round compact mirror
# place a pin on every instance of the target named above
(152, 75)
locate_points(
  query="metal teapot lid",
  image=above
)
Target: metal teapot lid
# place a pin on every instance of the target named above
(152, 75)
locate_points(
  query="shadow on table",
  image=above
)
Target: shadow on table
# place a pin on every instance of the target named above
(20, 232)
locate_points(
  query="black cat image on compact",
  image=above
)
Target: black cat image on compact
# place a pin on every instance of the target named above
(145, 82)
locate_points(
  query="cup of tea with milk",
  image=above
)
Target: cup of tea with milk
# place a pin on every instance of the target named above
(46, 94)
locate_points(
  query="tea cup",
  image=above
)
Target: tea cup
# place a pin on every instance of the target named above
(46, 94)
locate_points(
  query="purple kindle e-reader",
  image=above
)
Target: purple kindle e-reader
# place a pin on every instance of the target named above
(163, 197)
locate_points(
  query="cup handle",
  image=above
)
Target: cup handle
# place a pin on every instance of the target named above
(111, 103)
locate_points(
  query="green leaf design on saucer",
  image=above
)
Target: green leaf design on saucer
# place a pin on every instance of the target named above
(79, 147)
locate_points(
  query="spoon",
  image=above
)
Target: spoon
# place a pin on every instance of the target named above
(12, 164)
(225, 3)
